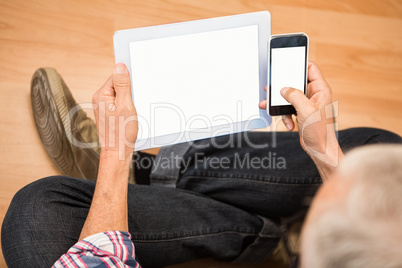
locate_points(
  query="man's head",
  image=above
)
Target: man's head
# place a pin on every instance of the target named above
(356, 218)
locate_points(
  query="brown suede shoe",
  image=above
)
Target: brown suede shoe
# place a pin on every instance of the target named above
(69, 136)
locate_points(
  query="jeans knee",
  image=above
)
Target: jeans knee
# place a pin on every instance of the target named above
(385, 136)
(38, 191)
(42, 199)
(354, 137)
(39, 187)
(39, 208)
(30, 200)
(376, 135)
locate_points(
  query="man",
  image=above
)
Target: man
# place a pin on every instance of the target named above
(231, 211)
(356, 218)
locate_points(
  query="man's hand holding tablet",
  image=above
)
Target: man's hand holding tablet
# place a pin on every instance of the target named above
(197, 79)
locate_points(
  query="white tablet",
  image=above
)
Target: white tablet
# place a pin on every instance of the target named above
(197, 79)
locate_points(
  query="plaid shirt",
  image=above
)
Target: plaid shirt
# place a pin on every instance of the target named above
(108, 249)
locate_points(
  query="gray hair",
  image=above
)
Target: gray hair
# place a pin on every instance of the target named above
(365, 229)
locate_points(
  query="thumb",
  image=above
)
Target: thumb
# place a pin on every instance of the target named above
(121, 83)
(297, 98)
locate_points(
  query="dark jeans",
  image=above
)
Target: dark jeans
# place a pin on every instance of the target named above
(226, 205)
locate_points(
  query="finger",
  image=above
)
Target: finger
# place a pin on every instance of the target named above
(288, 122)
(317, 82)
(121, 83)
(105, 94)
(263, 104)
(107, 88)
(265, 88)
(297, 98)
(314, 72)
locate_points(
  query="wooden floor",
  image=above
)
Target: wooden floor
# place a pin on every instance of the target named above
(358, 45)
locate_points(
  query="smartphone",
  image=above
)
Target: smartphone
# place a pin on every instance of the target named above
(288, 68)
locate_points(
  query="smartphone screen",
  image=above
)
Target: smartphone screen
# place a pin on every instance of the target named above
(288, 58)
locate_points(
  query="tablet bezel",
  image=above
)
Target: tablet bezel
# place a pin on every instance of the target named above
(123, 38)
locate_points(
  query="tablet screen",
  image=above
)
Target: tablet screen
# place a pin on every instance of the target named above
(195, 81)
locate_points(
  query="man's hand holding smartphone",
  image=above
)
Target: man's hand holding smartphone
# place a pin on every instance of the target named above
(316, 130)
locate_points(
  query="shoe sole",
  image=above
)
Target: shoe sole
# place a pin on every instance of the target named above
(50, 111)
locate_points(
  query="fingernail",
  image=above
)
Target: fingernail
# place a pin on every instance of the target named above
(284, 90)
(289, 127)
(119, 69)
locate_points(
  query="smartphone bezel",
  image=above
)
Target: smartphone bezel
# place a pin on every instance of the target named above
(283, 41)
